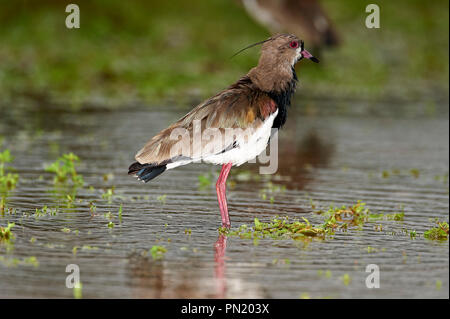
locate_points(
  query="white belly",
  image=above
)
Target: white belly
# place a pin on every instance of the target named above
(257, 143)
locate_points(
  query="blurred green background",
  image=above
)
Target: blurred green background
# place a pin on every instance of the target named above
(178, 52)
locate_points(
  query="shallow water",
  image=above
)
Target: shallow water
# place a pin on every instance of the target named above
(331, 159)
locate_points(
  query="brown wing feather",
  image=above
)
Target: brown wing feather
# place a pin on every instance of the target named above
(242, 105)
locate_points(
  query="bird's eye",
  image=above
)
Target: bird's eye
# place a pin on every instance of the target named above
(293, 44)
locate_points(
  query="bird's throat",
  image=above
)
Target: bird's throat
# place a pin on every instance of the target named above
(283, 100)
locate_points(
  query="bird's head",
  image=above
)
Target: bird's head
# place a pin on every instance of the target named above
(285, 49)
(279, 54)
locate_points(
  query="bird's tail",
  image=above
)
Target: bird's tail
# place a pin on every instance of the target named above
(145, 172)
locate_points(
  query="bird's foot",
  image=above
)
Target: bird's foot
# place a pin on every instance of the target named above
(226, 225)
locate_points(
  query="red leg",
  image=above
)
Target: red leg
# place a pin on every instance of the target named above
(221, 186)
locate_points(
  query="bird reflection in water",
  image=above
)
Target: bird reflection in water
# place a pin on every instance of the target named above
(220, 267)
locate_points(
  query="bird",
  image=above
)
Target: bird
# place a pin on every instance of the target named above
(258, 103)
(305, 17)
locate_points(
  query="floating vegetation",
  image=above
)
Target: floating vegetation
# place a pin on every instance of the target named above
(346, 279)
(246, 176)
(396, 216)
(84, 247)
(437, 233)
(371, 249)
(77, 291)
(108, 215)
(92, 208)
(162, 199)
(341, 218)
(7, 181)
(271, 188)
(70, 199)
(108, 194)
(443, 178)
(285, 261)
(14, 262)
(205, 180)
(414, 172)
(44, 211)
(64, 168)
(108, 177)
(345, 217)
(5, 232)
(327, 273)
(356, 216)
(158, 252)
(120, 213)
(277, 228)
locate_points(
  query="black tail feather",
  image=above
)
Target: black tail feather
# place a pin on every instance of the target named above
(146, 172)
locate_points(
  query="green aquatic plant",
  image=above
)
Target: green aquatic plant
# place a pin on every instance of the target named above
(158, 252)
(7, 181)
(108, 194)
(285, 261)
(346, 279)
(44, 211)
(271, 188)
(92, 208)
(414, 172)
(108, 215)
(14, 262)
(344, 217)
(205, 180)
(120, 213)
(162, 199)
(443, 178)
(277, 228)
(5, 232)
(396, 216)
(438, 233)
(64, 168)
(77, 291)
(371, 249)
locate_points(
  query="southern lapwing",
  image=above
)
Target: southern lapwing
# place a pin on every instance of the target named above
(256, 104)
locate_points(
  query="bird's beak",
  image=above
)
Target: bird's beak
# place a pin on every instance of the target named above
(308, 55)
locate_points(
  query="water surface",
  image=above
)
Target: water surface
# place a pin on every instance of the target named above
(329, 159)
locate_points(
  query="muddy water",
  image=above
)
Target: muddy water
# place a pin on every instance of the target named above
(326, 159)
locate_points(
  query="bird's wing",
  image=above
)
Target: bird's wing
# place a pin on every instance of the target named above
(240, 106)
